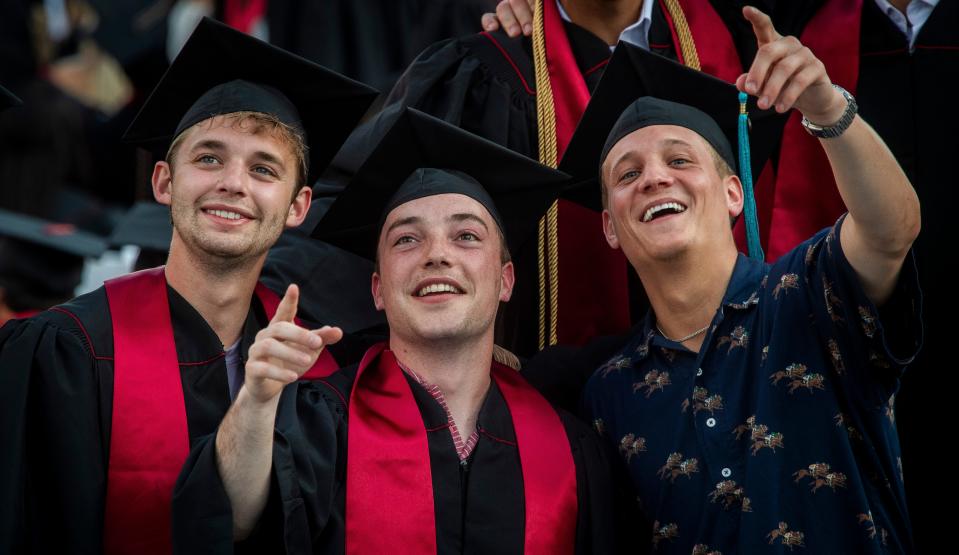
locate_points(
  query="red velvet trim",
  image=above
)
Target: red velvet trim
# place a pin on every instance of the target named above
(149, 439)
(806, 199)
(593, 278)
(511, 62)
(390, 465)
(325, 364)
(549, 474)
(714, 45)
(672, 32)
(933, 47)
(497, 439)
(202, 362)
(389, 486)
(570, 94)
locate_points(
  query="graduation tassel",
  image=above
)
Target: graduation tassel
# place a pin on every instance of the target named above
(746, 175)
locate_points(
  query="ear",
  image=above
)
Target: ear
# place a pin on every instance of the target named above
(734, 195)
(507, 281)
(299, 207)
(610, 230)
(162, 181)
(375, 288)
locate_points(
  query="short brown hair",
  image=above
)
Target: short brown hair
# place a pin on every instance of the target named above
(258, 122)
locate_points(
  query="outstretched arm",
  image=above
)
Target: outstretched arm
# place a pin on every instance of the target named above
(883, 218)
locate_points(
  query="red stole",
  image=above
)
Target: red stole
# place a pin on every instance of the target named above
(593, 290)
(799, 197)
(149, 438)
(389, 488)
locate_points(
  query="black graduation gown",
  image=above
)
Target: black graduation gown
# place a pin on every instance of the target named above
(909, 98)
(56, 404)
(479, 506)
(484, 83)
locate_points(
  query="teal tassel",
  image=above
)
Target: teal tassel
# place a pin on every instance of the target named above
(746, 175)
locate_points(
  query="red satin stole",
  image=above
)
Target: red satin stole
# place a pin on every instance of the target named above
(389, 488)
(798, 197)
(149, 438)
(593, 288)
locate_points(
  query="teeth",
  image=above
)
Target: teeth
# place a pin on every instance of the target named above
(225, 214)
(660, 207)
(436, 288)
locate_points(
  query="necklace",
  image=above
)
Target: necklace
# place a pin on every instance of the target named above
(681, 339)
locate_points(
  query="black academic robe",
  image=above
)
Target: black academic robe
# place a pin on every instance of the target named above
(909, 99)
(484, 83)
(56, 405)
(479, 506)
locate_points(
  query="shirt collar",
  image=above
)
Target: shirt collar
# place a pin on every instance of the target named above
(743, 289)
(636, 34)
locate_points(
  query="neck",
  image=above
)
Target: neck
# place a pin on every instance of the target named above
(220, 293)
(684, 293)
(900, 5)
(461, 371)
(604, 18)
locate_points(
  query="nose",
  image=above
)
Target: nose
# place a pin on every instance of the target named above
(656, 175)
(437, 253)
(232, 178)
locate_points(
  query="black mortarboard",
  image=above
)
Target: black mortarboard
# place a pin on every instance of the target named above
(221, 71)
(41, 259)
(420, 156)
(711, 109)
(8, 99)
(146, 225)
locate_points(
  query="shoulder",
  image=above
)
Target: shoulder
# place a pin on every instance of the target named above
(84, 320)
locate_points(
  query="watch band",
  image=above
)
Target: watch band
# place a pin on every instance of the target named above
(838, 128)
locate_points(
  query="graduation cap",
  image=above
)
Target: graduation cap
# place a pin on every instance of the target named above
(40, 259)
(221, 70)
(421, 156)
(7, 99)
(633, 73)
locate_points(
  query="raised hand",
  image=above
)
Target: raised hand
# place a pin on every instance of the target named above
(514, 16)
(786, 74)
(284, 351)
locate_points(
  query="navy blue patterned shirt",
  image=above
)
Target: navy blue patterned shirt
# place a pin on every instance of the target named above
(779, 435)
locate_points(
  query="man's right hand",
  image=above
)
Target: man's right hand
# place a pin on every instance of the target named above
(284, 351)
(514, 16)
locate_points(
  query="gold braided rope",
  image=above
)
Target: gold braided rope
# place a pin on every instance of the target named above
(541, 241)
(548, 240)
(686, 43)
(552, 229)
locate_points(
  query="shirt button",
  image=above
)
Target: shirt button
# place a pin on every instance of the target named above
(699, 372)
(711, 422)
(726, 473)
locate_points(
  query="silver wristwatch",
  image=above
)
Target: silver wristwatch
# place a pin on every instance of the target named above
(841, 125)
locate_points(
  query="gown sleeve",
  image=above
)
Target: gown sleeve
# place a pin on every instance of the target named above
(53, 459)
(305, 509)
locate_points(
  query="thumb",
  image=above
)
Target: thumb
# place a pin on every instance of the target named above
(329, 334)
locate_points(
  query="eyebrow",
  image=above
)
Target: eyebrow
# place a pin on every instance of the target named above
(460, 217)
(219, 146)
(663, 143)
(466, 216)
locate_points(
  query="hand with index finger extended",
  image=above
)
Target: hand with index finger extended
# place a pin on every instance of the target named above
(284, 351)
(785, 74)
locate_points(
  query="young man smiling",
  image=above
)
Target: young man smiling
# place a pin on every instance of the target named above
(103, 395)
(755, 405)
(428, 443)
